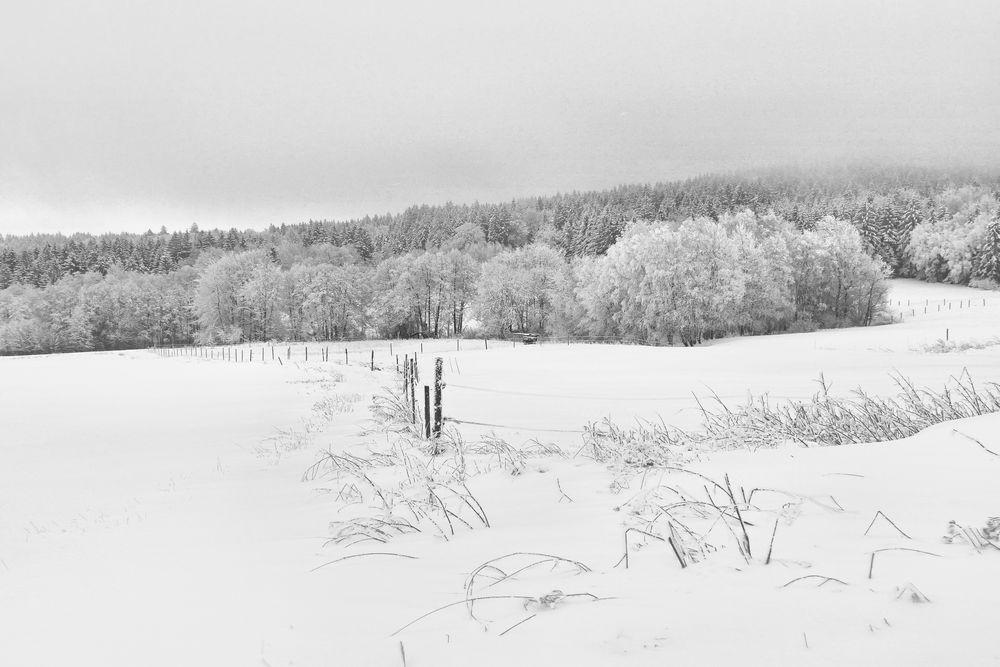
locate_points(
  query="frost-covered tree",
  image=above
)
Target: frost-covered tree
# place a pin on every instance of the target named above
(460, 275)
(228, 310)
(337, 301)
(765, 261)
(945, 247)
(989, 255)
(517, 290)
(658, 283)
(259, 298)
(835, 281)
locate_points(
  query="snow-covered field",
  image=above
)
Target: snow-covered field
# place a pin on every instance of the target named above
(152, 510)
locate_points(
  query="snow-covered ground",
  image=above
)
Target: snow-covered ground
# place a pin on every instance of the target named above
(152, 510)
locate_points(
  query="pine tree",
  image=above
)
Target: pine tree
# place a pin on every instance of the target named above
(989, 255)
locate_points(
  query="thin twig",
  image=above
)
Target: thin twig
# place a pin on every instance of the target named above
(523, 620)
(770, 548)
(815, 576)
(969, 437)
(374, 553)
(871, 565)
(637, 530)
(891, 523)
(562, 493)
(526, 598)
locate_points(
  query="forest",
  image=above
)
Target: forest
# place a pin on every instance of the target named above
(669, 263)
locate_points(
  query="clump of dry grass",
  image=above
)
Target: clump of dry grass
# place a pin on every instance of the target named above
(649, 444)
(942, 346)
(824, 420)
(335, 404)
(392, 411)
(508, 569)
(859, 418)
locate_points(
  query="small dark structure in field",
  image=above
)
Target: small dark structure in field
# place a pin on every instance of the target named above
(526, 338)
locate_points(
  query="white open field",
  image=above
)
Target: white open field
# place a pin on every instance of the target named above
(153, 511)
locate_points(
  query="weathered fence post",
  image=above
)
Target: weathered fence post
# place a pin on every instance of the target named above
(373, 360)
(406, 374)
(307, 353)
(438, 388)
(413, 390)
(427, 412)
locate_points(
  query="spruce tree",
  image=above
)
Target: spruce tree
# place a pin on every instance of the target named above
(989, 255)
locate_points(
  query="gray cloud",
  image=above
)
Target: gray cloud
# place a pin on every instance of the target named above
(128, 115)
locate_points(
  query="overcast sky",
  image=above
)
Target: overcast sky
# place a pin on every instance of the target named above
(134, 114)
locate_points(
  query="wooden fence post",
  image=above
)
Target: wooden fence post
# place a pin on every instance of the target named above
(413, 390)
(406, 374)
(438, 389)
(373, 360)
(427, 412)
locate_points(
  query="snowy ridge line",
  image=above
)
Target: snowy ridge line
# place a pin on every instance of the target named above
(518, 428)
(595, 397)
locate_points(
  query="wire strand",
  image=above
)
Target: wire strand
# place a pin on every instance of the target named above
(518, 428)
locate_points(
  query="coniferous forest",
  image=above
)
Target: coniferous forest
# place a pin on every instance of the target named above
(669, 263)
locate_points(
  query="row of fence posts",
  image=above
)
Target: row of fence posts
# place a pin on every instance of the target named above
(927, 303)
(226, 353)
(410, 372)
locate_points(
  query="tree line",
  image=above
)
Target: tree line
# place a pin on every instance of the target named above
(775, 252)
(660, 283)
(885, 203)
